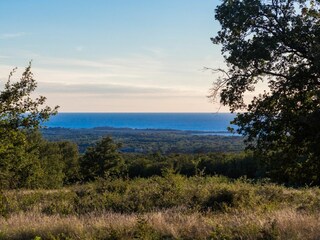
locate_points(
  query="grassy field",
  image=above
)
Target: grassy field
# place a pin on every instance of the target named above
(169, 207)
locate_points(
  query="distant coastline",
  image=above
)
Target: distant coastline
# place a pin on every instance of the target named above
(203, 123)
(136, 130)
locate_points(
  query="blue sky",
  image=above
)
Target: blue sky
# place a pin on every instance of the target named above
(114, 55)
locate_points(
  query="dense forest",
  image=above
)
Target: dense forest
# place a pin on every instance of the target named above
(149, 140)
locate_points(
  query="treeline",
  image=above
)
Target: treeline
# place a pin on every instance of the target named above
(34, 162)
(29, 161)
(232, 165)
(149, 140)
(104, 160)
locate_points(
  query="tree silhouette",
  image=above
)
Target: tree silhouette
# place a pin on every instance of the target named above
(277, 42)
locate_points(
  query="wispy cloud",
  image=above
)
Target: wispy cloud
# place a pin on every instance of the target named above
(133, 69)
(136, 82)
(12, 35)
(157, 52)
(122, 98)
(114, 90)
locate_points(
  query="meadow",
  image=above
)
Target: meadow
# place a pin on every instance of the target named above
(171, 206)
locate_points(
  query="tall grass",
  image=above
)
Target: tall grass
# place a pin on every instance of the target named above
(167, 224)
(170, 207)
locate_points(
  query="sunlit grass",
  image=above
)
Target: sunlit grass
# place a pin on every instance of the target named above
(170, 207)
(175, 224)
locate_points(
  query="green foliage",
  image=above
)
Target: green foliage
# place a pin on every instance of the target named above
(148, 208)
(20, 114)
(17, 109)
(227, 164)
(277, 42)
(70, 159)
(144, 231)
(18, 166)
(149, 141)
(29, 161)
(52, 165)
(58, 161)
(214, 194)
(102, 160)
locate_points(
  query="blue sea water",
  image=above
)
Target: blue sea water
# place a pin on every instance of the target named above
(213, 122)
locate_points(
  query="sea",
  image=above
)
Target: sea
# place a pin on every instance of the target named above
(202, 122)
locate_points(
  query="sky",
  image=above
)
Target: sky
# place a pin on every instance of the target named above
(114, 55)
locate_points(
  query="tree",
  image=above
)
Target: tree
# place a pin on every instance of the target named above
(70, 157)
(20, 114)
(59, 161)
(102, 160)
(277, 42)
(19, 167)
(18, 110)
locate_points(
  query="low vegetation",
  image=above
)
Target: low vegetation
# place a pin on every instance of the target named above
(162, 207)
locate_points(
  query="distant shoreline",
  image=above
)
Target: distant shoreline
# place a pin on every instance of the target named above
(127, 129)
(202, 122)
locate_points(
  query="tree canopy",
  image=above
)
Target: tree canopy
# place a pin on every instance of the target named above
(24, 155)
(18, 110)
(276, 42)
(102, 160)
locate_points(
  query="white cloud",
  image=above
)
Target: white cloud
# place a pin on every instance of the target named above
(115, 90)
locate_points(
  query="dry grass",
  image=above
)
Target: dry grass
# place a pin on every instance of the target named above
(29, 225)
(172, 207)
(305, 226)
(281, 224)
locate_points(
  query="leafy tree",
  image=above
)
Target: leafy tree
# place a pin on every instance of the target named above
(52, 164)
(70, 157)
(20, 114)
(59, 161)
(277, 42)
(19, 167)
(102, 160)
(18, 110)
